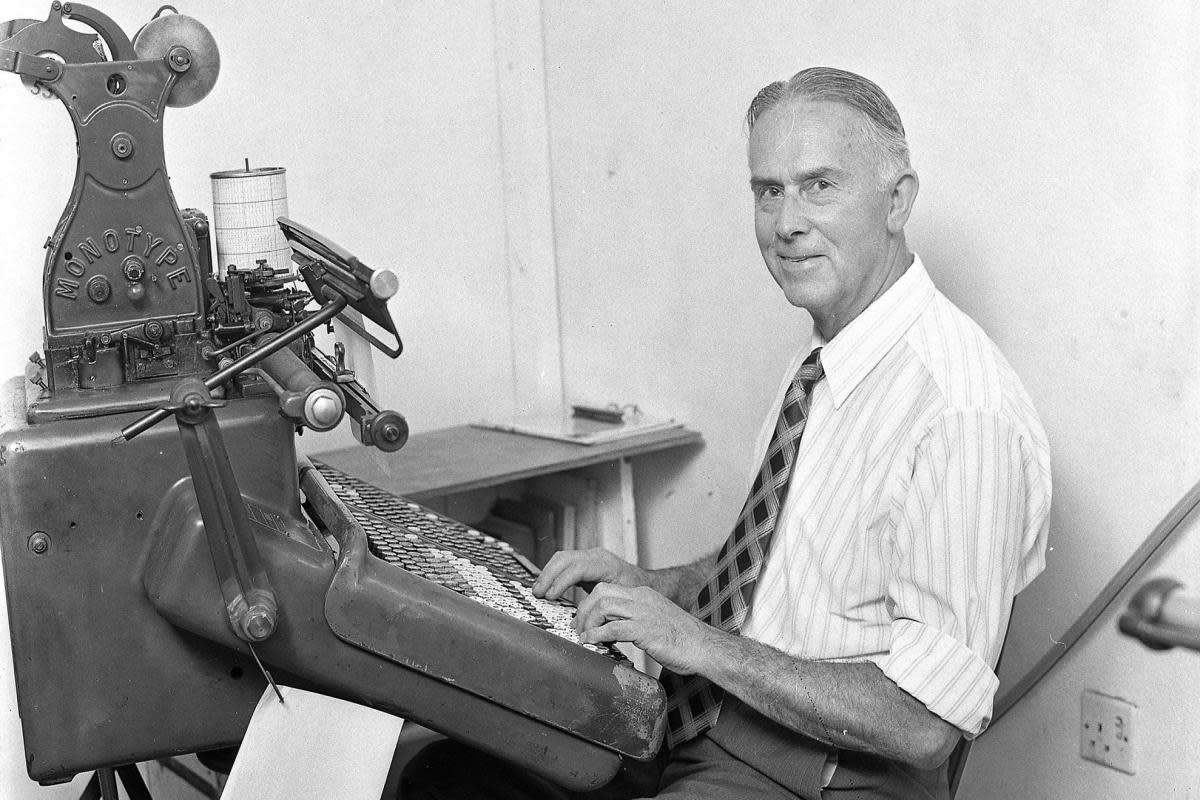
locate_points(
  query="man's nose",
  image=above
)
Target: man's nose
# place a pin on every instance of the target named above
(792, 220)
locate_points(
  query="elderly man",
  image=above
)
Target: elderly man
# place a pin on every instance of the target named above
(843, 640)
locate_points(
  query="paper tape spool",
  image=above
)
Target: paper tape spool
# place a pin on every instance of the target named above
(246, 203)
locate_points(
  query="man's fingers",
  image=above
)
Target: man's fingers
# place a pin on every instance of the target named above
(568, 568)
(588, 615)
(618, 630)
(550, 572)
(607, 601)
(615, 613)
(561, 572)
(571, 575)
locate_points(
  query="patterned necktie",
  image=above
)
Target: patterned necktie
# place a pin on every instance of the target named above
(692, 701)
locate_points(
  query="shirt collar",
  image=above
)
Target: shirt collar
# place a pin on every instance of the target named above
(860, 346)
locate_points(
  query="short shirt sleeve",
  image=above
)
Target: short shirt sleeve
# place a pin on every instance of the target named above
(960, 550)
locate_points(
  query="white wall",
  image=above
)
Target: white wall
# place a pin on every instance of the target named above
(1058, 206)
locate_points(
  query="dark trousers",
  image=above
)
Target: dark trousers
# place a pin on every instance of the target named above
(745, 756)
(447, 770)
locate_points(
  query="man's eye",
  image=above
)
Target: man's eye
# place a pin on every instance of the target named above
(768, 192)
(821, 185)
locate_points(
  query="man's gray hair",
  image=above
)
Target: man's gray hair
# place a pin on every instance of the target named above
(884, 131)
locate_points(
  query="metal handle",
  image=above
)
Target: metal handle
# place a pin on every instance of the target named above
(317, 403)
(1162, 617)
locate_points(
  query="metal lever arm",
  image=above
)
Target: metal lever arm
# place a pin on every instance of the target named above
(374, 427)
(24, 43)
(327, 312)
(36, 67)
(249, 599)
(118, 43)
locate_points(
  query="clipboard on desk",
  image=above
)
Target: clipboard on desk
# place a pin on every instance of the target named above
(586, 425)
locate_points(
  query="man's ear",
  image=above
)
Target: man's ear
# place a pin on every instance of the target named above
(903, 195)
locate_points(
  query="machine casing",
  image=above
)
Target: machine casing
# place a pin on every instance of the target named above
(102, 678)
(154, 669)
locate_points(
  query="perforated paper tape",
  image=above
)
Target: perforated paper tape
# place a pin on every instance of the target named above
(245, 206)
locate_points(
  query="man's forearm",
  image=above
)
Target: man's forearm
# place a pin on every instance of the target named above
(848, 705)
(681, 584)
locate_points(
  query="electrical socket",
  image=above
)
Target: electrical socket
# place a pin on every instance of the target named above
(1106, 731)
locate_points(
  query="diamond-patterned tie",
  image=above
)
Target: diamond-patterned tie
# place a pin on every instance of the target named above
(693, 702)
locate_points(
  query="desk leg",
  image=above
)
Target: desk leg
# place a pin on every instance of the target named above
(618, 516)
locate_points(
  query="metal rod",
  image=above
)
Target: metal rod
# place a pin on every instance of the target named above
(326, 313)
(240, 341)
(108, 783)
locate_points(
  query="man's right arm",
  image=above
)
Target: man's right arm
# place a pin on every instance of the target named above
(584, 568)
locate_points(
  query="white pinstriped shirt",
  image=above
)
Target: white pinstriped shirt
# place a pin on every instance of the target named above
(917, 507)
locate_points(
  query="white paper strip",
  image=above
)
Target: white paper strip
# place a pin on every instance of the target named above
(313, 746)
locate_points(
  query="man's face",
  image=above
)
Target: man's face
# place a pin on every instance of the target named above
(819, 212)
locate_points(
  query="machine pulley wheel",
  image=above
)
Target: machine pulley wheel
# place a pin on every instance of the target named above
(161, 35)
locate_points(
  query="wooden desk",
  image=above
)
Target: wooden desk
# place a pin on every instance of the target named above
(462, 459)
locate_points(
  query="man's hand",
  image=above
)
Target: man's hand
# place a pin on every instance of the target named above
(670, 635)
(849, 705)
(568, 568)
(584, 568)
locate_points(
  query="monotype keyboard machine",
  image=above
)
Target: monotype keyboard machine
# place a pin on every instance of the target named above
(165, 549)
